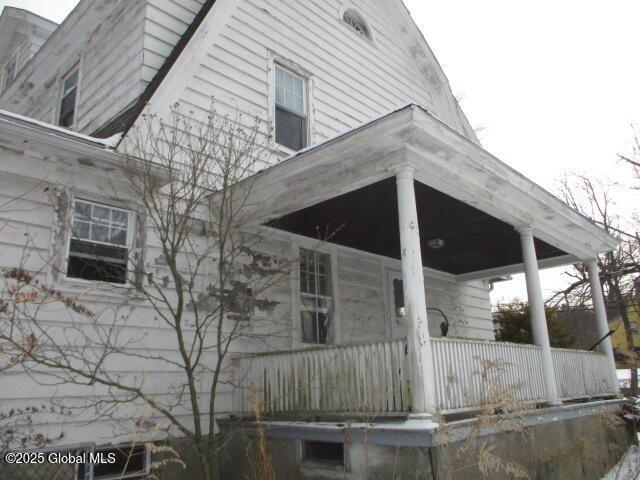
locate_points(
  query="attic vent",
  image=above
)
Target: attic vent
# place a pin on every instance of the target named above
(357, 22)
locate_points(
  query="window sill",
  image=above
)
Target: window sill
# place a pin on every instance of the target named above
(315, 466)
(95, 287)
(281, 150)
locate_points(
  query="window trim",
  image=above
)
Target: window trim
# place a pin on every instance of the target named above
(275, 60)
(69, 236)
(61, 96)
(317, 296)
(297, 242)
(349, 7)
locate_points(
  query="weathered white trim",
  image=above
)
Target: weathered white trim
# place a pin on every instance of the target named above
(274, 59)
(600, 312)
(386, 262)
(186, 65)
(100, 200)
(21, 134)
(335, 290)
(423, 398)
(443, 159)
(517, 268)
(538, 316)
(351, 6)
(422, 434)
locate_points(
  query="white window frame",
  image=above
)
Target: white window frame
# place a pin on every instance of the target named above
(350, 6)
(318, 297)
(128, 244)
(286, 64)
(62, 94)
(296, 243)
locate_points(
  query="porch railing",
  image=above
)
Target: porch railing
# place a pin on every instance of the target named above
(374, 378)
(471, 374)
(581, 374)
(352, 378)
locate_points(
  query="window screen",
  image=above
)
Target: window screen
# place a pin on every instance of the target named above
(98, 244)
(68, 100)
(316, 296)
(291, 110)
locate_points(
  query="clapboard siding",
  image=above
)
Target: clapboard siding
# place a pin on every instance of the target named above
(354, 79)
(365, 306)
(31, 218)
(165, 22)
(363, 302)
(119, 46)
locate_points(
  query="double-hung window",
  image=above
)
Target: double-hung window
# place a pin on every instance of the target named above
(98, 243)
(291, 110)
(316, 297)
(68, 97)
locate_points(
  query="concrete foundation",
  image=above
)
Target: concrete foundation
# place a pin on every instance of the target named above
(569, 442)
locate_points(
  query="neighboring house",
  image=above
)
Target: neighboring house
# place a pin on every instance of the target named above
(619, 338)
(365, 132)
(582, 324)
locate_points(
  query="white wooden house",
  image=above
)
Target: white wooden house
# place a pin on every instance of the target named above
(365, 132)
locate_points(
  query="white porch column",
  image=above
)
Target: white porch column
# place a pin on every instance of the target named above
(601, 316)
(536, 308)
(420, 354)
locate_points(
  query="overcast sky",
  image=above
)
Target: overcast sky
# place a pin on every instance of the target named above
(555, 84)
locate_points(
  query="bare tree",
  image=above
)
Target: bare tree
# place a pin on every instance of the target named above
(203, 273)
(619, 269)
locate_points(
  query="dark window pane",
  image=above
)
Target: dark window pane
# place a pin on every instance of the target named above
(291, 129)
(71, 81)
(323, 328)
(398, 295)
(309, 327)
(67, 109)
(100, 263)
(325, 452)
(128, 460)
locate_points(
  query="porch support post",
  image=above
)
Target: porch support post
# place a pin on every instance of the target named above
(536, 309)
(600, 313)
(423, 398)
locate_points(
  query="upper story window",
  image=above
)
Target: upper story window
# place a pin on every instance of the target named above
(316, 296)
(291, 109)
(68, 97)
(357, 22)
(99, 242)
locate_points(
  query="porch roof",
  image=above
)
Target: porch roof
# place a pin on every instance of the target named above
(465, 196)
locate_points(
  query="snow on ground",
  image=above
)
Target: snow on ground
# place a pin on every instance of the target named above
(628, 468)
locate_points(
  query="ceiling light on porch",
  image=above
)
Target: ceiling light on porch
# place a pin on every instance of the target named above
(435, 243)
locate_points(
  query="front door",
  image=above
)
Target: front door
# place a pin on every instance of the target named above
(397, 311)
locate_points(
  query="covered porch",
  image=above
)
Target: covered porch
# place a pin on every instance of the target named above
(407, 187)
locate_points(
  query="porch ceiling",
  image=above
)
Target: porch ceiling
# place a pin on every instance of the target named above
(465, 195)
(367, 219)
